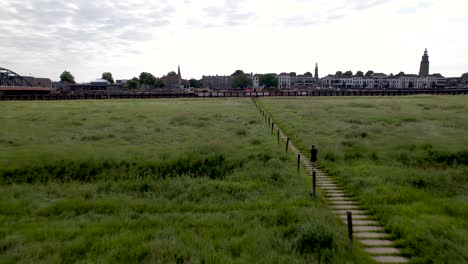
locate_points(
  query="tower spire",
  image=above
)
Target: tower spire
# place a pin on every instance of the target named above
(316, 72)
(424, 69)
(179, 76)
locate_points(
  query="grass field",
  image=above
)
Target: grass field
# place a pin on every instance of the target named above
(155, 181)
(404, 158)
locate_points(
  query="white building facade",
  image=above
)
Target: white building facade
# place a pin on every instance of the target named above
(383, 81)
(284, 81)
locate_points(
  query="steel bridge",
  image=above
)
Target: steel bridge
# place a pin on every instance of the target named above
(10, 78)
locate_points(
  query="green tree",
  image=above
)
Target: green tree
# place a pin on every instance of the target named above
(339, 73)
(159, 83)
(108, 77)
(268, 80)
(293, 74)
(147, 79)
(348, 73)
(369, 73)
(308, 74)
(241, 81)
(172, 74)
(465, 77)
(360, 74)
(400, 74)
(195, 83)
(238, 72)
(133, 83)
(66, 76)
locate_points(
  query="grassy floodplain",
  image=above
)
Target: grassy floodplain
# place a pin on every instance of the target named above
(404, 158)
(155, 181)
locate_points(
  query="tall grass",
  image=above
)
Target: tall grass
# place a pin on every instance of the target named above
(155, 181)
(404, 158)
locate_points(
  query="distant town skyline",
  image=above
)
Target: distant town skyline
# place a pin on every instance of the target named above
(44, 38)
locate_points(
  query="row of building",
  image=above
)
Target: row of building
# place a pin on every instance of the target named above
(424, 80)
(285, 80)
(383, 81)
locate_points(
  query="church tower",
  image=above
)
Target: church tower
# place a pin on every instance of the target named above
(424, 70)
(316, 73)
(179, 76)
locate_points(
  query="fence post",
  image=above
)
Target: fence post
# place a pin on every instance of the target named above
(298, 163)
(287, 145)
(314, 184)
(272, 127)
(350, 230)
(278, 136)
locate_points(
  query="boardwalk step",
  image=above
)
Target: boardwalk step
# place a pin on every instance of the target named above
(390, 259)
(367, 228)
(330, 193)
(357, 217)
(344, 207)
(342, 202)
(363, 222)
(376, 242)
(331, 189)
(354, 212)
(323, 183)
(382, 250)
(371, 235)
(345, 199)
(336, 195)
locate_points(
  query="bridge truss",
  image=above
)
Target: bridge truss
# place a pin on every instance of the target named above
(10, 78)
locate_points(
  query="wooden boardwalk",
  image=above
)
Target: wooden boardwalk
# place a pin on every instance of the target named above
(366, 230)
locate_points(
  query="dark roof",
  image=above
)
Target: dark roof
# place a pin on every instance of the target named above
(379, 75)
(437, 75)
(304, 75)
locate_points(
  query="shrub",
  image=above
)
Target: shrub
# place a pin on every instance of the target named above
(256, 142)
(330, 156)
(214, 167)
(317, 238)
(286, 216)
(241, 132)
(460, 157)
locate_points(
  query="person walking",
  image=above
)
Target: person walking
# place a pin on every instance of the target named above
(313, 155)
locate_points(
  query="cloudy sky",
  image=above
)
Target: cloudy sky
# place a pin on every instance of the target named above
(46, 37)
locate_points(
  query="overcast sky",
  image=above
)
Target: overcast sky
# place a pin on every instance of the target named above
(46, 37)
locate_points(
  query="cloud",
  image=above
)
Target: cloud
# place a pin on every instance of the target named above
(229, 13)
(414, 8)
(314, 13)
(300, 21)
(366, 4)
(44, 37)
(80, 29)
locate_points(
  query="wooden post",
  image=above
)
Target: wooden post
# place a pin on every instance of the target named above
(287, 145)
(272, 127)
(314, 184)
(278, 136)
(350, 230)
(298, 163)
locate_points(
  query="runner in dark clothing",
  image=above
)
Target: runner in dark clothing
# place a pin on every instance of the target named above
(313, 155)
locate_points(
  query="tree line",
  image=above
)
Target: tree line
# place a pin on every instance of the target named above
(239, 79)
(145, 80)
